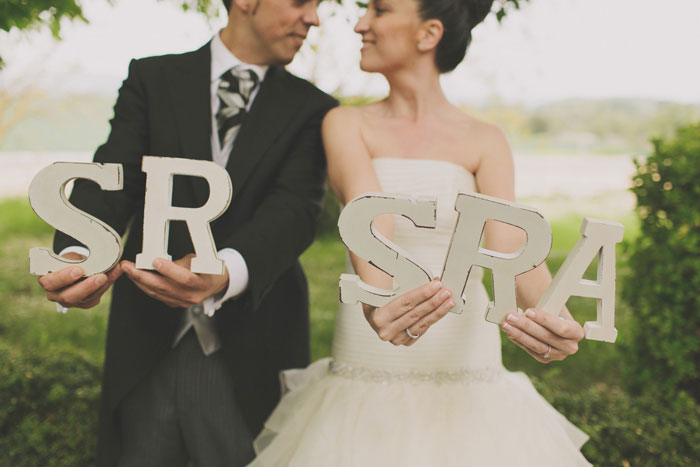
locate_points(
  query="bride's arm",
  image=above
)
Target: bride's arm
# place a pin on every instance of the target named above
(351, 173)
(537, 330)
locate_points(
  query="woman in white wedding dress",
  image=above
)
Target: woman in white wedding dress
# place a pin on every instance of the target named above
(409, 384)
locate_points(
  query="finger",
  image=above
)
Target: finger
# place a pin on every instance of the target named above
(553, 354)
(422, 326)
(160, 287)
(95, 297)
(74, 295)
(401, 339)
(394, 329)
(520, 337)
(57, 280)
(541, 333)
(185, 261)
(169, 301)
(538, 332)
(176, 272)
(114, 273)
(566, 328)
(154, 282)
(409, 300)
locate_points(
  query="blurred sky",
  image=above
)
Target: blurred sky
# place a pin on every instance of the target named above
(551, 49)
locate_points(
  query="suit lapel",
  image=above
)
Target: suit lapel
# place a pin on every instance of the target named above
(267, 118)
(189, 81)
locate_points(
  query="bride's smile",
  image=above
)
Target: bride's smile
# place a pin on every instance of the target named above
(389, 30)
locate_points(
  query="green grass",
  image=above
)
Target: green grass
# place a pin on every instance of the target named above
(29, 322)
(323, 263)
(18, 220)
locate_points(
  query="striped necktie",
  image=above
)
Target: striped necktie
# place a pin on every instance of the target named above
(234, 92)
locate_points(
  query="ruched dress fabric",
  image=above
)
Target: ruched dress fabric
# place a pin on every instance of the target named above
(445, 401)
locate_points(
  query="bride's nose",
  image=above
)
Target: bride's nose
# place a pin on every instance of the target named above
(362, 24)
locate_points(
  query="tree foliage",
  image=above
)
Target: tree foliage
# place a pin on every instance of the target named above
(38, 14)
(663, 287)
(35, 14)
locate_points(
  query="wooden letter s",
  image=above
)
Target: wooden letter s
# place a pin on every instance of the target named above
(360, 236)
(47, 196)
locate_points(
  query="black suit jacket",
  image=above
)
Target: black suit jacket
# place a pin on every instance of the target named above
(278, 171)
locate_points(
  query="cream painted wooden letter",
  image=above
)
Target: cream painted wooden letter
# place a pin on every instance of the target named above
(159, 211)
(360, 237)
(47, 196)
(596, 237)
(465, 251)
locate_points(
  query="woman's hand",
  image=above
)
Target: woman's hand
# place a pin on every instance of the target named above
(543, 335)
(403, 320)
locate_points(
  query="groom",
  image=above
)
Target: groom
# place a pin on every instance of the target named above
(177, 383)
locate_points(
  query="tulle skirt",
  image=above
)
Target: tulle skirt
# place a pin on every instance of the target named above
(492, 418)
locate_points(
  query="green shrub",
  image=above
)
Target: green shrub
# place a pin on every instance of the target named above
(663, 284)
(48, 413)
(653, 429)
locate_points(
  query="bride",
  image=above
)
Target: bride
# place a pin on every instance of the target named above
(409, 384)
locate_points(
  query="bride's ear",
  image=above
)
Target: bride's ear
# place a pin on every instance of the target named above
(429, 34)
(247, 6)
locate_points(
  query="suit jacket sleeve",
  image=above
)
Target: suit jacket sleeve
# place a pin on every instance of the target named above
(283, 225)
(126, 144)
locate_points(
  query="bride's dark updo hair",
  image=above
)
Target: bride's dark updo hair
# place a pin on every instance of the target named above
(458, 18)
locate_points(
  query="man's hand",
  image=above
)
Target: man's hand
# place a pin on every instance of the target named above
(544, 336)
(67, 287)
(176, 285)
(414, 311)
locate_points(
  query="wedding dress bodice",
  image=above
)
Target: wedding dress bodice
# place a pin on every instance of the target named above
(459, 342)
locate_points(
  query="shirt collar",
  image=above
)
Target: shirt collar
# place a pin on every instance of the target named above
(223, 60)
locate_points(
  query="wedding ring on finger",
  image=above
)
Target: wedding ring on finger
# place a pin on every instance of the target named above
(544, 355)
(411, 335)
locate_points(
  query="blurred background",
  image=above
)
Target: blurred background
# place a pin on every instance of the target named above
(600, 100)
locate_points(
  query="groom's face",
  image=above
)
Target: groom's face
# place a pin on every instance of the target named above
(280, 27)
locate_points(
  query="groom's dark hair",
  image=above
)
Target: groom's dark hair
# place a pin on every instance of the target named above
(458, 18)
(227, 4)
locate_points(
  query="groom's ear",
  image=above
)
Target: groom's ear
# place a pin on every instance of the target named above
(429, 34)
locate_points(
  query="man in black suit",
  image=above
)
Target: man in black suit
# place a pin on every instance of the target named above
(179, 384)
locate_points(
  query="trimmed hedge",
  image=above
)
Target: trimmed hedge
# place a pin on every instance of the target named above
(49, 417)
(663, 283)
(653, 429)
(48, 414)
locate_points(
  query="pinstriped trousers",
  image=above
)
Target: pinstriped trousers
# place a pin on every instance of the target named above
(185, 411)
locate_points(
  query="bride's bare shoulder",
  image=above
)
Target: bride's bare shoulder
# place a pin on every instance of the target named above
(342, 117)
(483, 137)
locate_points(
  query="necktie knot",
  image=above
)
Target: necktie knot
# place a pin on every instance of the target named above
(239, 80)
(235, 89)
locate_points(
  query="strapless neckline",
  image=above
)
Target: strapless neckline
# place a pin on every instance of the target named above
(422, 160)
